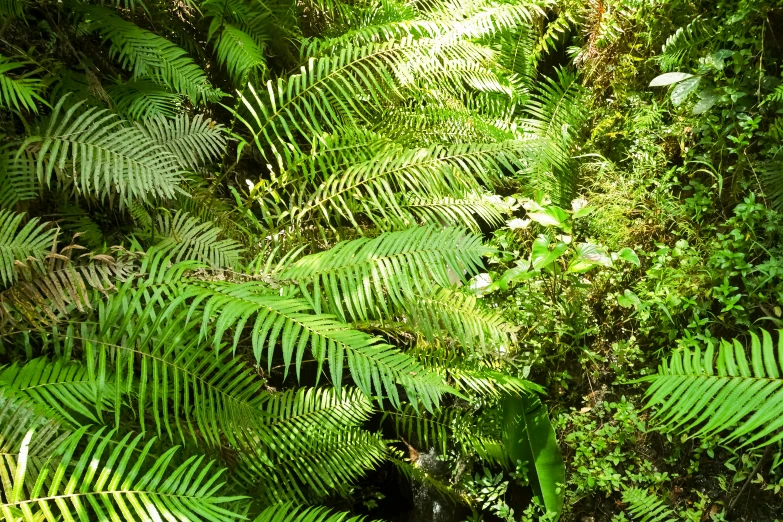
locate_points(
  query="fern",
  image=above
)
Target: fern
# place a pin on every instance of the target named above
(107, 159)
(690, 392)
(187, 238)
(106, 480)
(193, 141)
(460, 317)
(684, 41)
(374, 366)
(42, 292)
(239, 52)
(142, 98)
(291, 513)
(146, 54)
(646, 507)
(20, 92)
(367, 277)
(17, 179)
(22, 244)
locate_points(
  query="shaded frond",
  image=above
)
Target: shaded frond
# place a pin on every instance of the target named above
(329, 461)
(18, 181)
(367, 277)
(146, 54)
(193, 141)
(187, 238)
(102, 156)
(694, 392)
(142, 98)
(62, 284)
(22, 243)
(455, 315)
(290, 513)
(18, 92)
(238, 52)
(105, 480)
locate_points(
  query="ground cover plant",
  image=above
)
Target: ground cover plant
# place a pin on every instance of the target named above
(439, 260)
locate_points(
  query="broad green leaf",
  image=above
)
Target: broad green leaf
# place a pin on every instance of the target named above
(587, 257)
(707, 98)
(529, 437)
(669, 79)
(682, 90)
(542, 256)
(627, 254)
(584, 211)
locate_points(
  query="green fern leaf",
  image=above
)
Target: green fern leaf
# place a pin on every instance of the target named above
(367, 277)
(20, 92)
(106, 158)
(646, 507)
(105, 480)
(187, 238)
(18, 246)
(193, 141)
(291, 513)
(142, 98)
(693, 392)
(146, 54)
(17, 179)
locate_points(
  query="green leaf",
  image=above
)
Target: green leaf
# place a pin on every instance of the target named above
(707, 98)
(588, 256)
(584, 211)
(541, 256)
(669, 79)
(682, 90)
(529, 437)
(627, 254)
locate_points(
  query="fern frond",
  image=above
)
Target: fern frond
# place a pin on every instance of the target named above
(60, 386)
(239, 52)
(373, 187)
(187, 238)
(646, 507)
(193, 141)
(472, 211)
(558, 110)
(105, 480)
(63, 284)
(102, 156)
(142, 98)
(449, 428)
(742, 397)
(18, 92)
(327, 462)
(375, 367)
(684, 41)
(321, 409)
(367, 277)
(291, 513)
(17, 179)
(459, 316)
(489, 383)
(342, 90)
(146, 54)
(20, 244)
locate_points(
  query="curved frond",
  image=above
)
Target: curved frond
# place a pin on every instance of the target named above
(146, 54)
(142, 98)
(367, 277)
(18, 92)
(694, 392)
(102, 156)
(290, 513)
(105, 480)
(22, 243)
(375, 367)
(185, 237)
(238, 52)
(193, 141)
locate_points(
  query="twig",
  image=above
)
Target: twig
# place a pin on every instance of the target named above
(747, 481)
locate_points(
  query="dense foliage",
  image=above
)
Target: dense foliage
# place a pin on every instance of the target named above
(432, 260)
